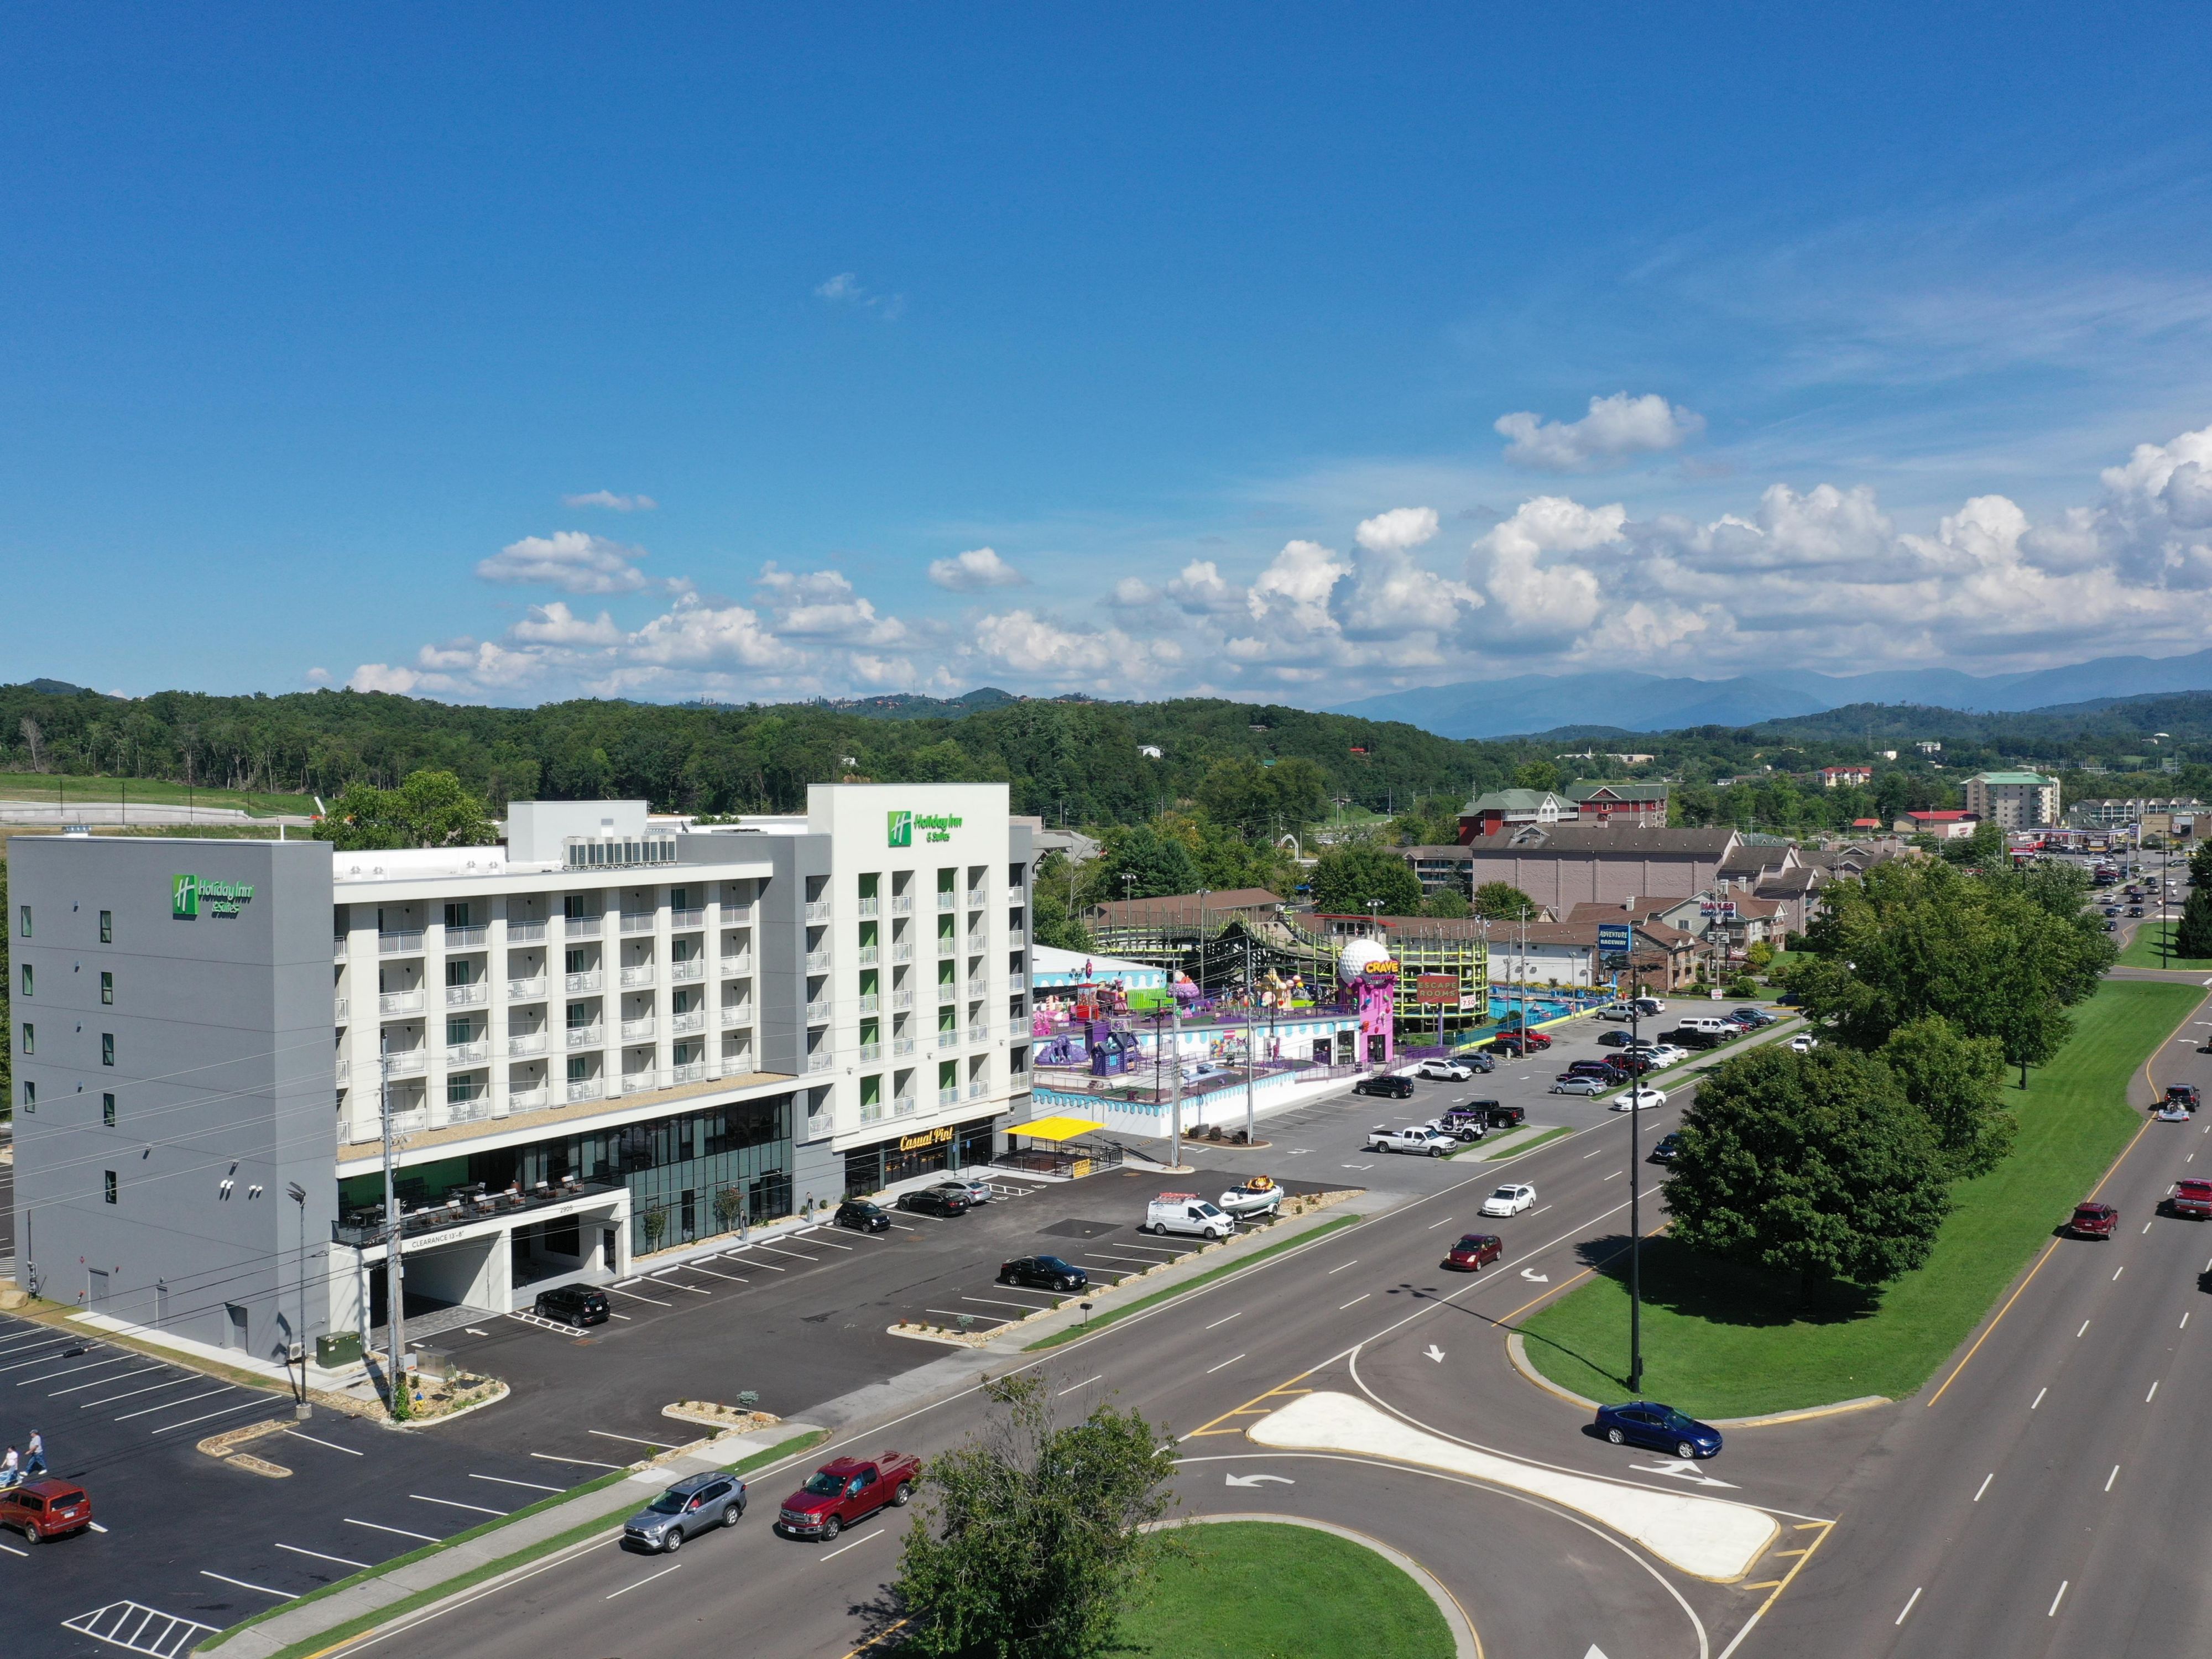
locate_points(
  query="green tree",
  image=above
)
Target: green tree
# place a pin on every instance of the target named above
(1537, 775)
(1447, 903)
(2199, 863)
(430, 809)
(1054, 924)
(1814, 1163)
(2192, 935)
(1142, 863)
(1957, 1082)
(1501, 900)
(1346, 878)
(1031, 1539)
(1985, 849)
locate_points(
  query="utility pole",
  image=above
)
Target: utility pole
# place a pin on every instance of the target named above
(1635, 1170)
(1175, 1081)
(394, 1298)
(302, 1409)
(1251, 1042)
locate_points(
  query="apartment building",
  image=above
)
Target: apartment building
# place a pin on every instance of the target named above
(2014, 800)
(608, 1036)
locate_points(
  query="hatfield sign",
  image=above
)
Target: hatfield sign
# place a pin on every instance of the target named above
(934, 826)
(190, 896)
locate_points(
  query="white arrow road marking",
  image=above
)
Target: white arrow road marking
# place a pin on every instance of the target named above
(1595, 1652)
(1436, 1353)
(1686, 1471)
(1535, 1277)
(1256, 1479)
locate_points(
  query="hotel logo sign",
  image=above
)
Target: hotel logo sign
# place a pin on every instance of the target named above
(901, 833)
(934, 826)
(190, 895)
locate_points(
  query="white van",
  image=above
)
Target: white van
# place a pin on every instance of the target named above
(1187, 1213)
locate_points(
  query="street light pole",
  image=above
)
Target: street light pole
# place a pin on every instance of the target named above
(1635, 1172)
(394, 1297)
(302, 1409)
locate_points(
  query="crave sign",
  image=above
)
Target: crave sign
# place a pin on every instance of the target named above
(191, 895)
(934, 826)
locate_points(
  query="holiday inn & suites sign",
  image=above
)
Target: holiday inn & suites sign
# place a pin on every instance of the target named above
(190, 896)
(934, 826)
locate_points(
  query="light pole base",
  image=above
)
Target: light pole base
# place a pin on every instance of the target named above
(302, 1410)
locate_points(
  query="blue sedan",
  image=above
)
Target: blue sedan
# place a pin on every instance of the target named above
(1641, 1423)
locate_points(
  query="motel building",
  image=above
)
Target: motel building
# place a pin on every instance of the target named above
(610, 1036)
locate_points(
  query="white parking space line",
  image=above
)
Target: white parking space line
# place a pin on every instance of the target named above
(1223, 1365)
(828, 1243)
(376, 1526)
(986, 1301)
(1086, 1383)
(636, 1439)
(634, 1297)
(332, 1444)
(903, 1227)
(1149, 1261)
(502, 1480)
(242, 1405)
(147, 1411)
(343, 1560)
(856, 1544)
(674, 1284)
(132, 1393)
(731, 1279)
(647, 1579)
(732, 1256)
(955, 1312)
(800, 1255)
(43, 1360)
(12, 1550)
(450, 1503)
(1433, 1225)
(97, 1365)
(548, 1457)
(281, 1595)
(105, 1381)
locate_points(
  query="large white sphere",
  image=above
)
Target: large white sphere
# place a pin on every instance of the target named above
(1357, 957)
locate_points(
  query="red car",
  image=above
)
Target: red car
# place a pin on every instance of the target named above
(44, 1509)
(850, 1490)
(2191, 1198)
(1472, 1250)
(1517, 1043)
(2093, 1221)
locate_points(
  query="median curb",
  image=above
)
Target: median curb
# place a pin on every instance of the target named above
(1517, 1350)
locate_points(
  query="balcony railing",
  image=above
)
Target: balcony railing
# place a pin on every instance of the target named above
(581, 927)
(401, 942)
(687, 918)
(869, 903)
(1018, 981)
(690, 968)
(902, 904)
(525, 932)
(360, 1228)
(468, 996)
(533, 1043)
(819, 1061)
(586, 1036)
(644, 1082)
(691, 1070)
(466, 936)
(818, 1013)
(949, 1096)
(978, 1087)
(694, 1021)
(526, 1100)
(408, 1062)
(574, 984)
(642, 973)
(737, 915)
(589, 1089)
(638, 921)
(903, 951)
(871, 1052)
(819, 962)
(867, 956)
(902, 1001)
(526, 990)
(817, 910)
(901, 1047)
(946, 900)
(870, 1002)
(1017, 935)
(981, 1033)
(948, 1043)
(902, 1106)
(737, 1014)
(342, 1069)
(338, 948)
(1020, 1029)
(947, 945)
(400, 1002)
(634, 1031)
(338, 1006)
(467, 1054)
(740, 963)
(977, 897)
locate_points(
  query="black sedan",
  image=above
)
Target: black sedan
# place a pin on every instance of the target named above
(1043, 1272)
(1667, 1149)
(933, 1201)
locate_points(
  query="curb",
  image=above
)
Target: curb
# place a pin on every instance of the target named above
(1465, 1644)
(1517, 1350)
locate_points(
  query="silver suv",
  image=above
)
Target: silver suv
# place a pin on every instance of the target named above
(690, 1505)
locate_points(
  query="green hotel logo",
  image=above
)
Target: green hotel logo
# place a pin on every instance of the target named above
(221, 898)
(185, 898)
(901, 829)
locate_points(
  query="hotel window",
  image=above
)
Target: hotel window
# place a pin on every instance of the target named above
(107, 986)
(107, 926)
(576, 907)
(107, 1110)
(30, 1096)
(459, 1031)
(30, 1044)
(871, 1098)
(579, 1069)
(457, 915)
(23, 920)
(107, 1047)
(26, 978)
(107, 1185)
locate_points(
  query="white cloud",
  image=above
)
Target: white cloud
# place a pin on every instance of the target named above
(822, 604)
(319, 676)
(1135, 592)
(1199, 586)
(556, 625)
(569, 560)
(1400, 530)
(383, 676)
(697, 634)
(1616, 428)
(971, 572)
(1030, 645)
(845, 289)
(613, 503)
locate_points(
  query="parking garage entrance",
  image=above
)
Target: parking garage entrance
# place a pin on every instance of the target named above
(925, 1151)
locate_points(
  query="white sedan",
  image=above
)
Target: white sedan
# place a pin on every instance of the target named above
(1804, 1044)
(1444, 1071)
(1640, 1100)
(1509, 1201)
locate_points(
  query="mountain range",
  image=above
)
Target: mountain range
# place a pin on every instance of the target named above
(1633, 701)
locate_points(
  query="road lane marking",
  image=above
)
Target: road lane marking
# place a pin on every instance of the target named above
(1355, 1301)
(377, 1526)
(501, 1480)
(1588, 1155)
(1333, 1271)
(1984, 1486)
(2152, 1396)
(1615, 1176)
(2185, 1323)
(2113, 1476)
(1908, 1601)
(2146, 1226)
(1223, 1365)
(1086, 1383)
(856, 1544)
(2079, 1334)
(2057, 1599)
(647, 1579)
(343, 1560)
(1433, 1225)
(2039, 1392)
(281, 1595)
(450, 1505)
(1239, 1314)
(332, 1444)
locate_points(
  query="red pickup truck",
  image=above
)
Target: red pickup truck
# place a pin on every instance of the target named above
(2192, 1199)
(841, 1494)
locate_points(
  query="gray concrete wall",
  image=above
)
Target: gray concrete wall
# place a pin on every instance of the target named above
(223, 1038)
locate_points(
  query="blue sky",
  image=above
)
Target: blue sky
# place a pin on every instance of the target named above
(1134, 351)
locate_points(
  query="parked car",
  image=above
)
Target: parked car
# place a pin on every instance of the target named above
(1641, 1098)
(1389, 1087)
(1042, 1272)
(1667, 1147)
(1502, 1116)
(1691, 1038)
(850, 1490)
(1462, 1123)
(1614, 1039)
(576, 1305)
(1187, 1213)
(1578, 1083)
(862, 1215)
(1480, 1059)
(1473, 1253)
(2093, 1221)
(1748, 1015)
(1510, 1200)
(1444, 1071)
(1618, 1011)
(974, 1189)
(933, 1201)
(41, 1510)
(1646, 1423)
(1648, 1007)
(2191, 1198)
(691, 1505)
(1418, 1138)
(1803, 1043)
(1591, 1068)
(1520, 1043)
(1258, 1197)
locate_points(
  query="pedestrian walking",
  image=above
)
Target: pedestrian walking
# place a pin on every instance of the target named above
(35, 1456)
(9, 1474)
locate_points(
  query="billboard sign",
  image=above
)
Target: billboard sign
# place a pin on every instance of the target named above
(1437, 990)
(1613, 938)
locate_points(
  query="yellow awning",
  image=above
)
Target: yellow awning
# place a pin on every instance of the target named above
(1054, 1128)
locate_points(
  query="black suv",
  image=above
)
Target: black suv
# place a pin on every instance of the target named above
(1043, 1272)
(862, 1215)
(933, 1201)
(1390, 1088)
(578, 1305)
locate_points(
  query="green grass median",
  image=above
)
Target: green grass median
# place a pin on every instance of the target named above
(1726, 1341)
(2142, 950)
(1257, 1590)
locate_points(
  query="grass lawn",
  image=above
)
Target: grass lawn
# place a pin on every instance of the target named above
(1254, 1589)
(45, 786)
(1725, 1341)
(2142, 950)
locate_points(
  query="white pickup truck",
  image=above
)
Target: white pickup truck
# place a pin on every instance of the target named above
(1420, 1139)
